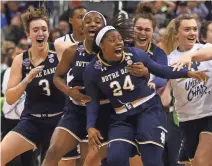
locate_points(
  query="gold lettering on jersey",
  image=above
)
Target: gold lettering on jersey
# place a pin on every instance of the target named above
(110, 76)
(114, 75)
(39, 74)
(124, 71)
(81, 63)
(46, 72)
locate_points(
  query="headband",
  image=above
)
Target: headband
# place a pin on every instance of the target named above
(102, 33)
(93, 11)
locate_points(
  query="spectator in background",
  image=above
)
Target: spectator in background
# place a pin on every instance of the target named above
(23, 44)
(163, 11)
(11, 8)
(15, 30)
(161, 34)
(206, 32)
(55, 34)
(199, 8)
(64, 27)
(182, 8)
(7, 48)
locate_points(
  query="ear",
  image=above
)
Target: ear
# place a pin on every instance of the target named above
(70, 20)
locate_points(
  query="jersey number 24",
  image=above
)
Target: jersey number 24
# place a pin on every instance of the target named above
(118, 90)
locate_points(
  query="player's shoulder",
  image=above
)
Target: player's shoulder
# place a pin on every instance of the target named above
(60, 39)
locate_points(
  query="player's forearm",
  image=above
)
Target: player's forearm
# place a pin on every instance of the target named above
(203, 54)
(159, 82)
(13, 94)
(59, 82)
(164, 71)
(92, 109)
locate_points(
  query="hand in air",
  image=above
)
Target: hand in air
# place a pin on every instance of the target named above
(94, 138)
(32, 74)
(139, 70)
(76, 95)
(199, 75)
(181, 62)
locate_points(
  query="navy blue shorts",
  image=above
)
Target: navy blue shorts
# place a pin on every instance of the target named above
(191, 131)
(146, 127)
(74, 121)
(38, 132)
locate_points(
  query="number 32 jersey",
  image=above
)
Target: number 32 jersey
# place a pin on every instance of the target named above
(41, 94)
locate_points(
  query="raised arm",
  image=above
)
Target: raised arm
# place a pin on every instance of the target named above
(16, 86)
(167, 71)
(203, 54)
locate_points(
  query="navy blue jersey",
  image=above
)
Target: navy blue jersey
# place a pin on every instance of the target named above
(81, 60)
(114, 81)
(159, 56)
(41, 94)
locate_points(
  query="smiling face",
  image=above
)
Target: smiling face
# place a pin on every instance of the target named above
(38, 33)
(92, 23)
(112, 45)
(143, 33)
(187, 34)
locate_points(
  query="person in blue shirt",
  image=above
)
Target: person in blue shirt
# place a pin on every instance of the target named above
(139, 113)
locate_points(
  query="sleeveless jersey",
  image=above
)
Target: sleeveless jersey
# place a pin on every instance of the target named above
(82, 59)
(41, 94)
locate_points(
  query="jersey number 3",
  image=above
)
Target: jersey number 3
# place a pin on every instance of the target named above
(45, 84)
(117, 90)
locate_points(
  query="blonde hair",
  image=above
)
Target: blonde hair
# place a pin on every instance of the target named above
(169, 42)
(34, 14)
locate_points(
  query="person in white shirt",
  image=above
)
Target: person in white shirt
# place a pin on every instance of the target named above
(192, 98)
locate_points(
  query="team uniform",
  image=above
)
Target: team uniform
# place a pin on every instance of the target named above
(139, 112)
(193, 105)
(43, 105)
(69, 39)
(74, 119)
(159, 56)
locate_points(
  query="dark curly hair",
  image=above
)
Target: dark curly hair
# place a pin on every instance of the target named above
(121, 24)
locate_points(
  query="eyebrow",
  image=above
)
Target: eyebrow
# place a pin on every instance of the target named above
(39, 27)
(190, 26)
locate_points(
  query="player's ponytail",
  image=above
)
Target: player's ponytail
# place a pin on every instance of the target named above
(145, 10)
(169, 42)
(121, 24)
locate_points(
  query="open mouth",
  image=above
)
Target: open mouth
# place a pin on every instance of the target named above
(40, 42)
(92, 32)
(118, 51)
(142, 39)
(191, 39)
